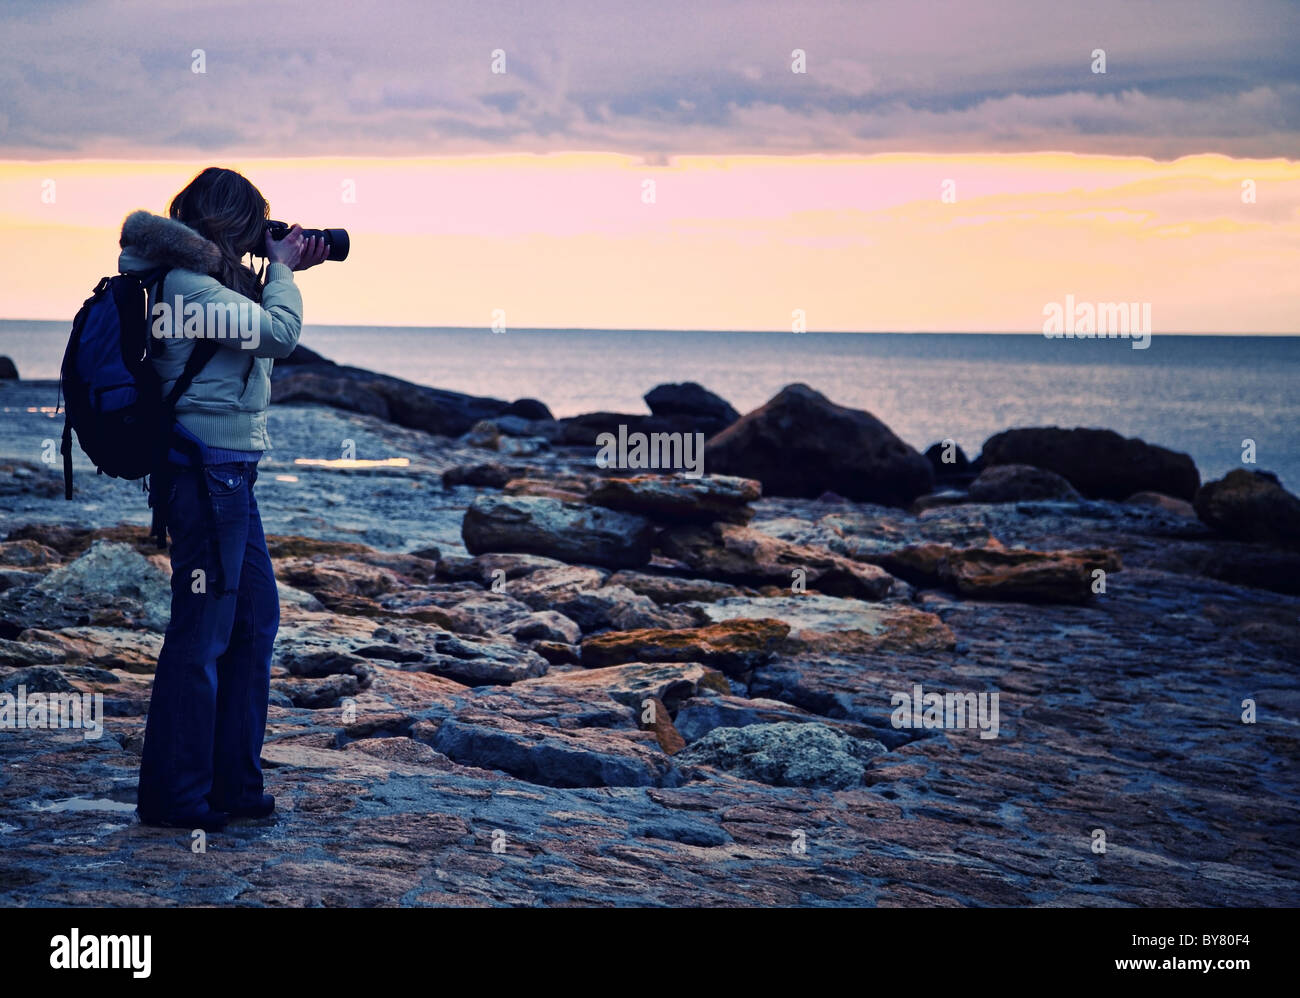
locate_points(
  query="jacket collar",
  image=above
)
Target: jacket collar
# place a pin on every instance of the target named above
(150, 240)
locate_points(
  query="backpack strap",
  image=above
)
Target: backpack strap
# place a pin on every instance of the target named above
(204, 350)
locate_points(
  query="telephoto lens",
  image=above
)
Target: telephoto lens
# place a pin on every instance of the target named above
(335, 239)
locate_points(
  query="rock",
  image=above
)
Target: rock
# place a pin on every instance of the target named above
(1250, 506)
(743, 555)
(735, 646)
(337, 575)
(37, 679)
(958, 471)
(654, 717)
(317, 693)
(24, 652)
(544, 487)
(530, 409)
(1099, 463)
(1017, 482)
(671, 589)
(1023, 575)
(690, 403)
(1276, 569)
(633, 683)
(585, 757)
(484, 433)
(574, 533)
(110, 585)
(324, 644)
(303, 356)
(433, 410)
(486, 569)
(1155, 500)
(699, 715)
(466, 659)
(131, 650)
(549, 588)
(582, 431)
(676, 498)
(27, 554)
(8, 370)
(489, 475)
(829, 625)
(545, 625)
(801, 444)
(785, 754)
(620, 609)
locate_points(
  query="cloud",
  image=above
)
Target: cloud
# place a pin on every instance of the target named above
(408, 78)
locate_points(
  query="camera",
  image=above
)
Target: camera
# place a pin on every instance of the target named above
(335, 239)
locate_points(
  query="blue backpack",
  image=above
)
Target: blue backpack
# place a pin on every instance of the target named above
(112, 395)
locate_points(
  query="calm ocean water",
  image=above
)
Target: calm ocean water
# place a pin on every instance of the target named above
(1199, 394)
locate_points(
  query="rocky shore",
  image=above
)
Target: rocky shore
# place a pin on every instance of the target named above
(507, 676)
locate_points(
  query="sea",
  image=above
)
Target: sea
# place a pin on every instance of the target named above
(1221, 399)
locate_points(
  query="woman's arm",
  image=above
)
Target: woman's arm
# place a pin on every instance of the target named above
(276, 323)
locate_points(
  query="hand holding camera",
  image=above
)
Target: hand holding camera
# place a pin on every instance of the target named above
(296, 250)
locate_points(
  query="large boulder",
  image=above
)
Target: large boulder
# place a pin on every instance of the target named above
(1250, 506)
(693, 406)
(8, 370)
(1099, 463)
(434, 410)
(570, 532)
(802, 444)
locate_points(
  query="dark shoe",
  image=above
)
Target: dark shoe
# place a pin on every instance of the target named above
(209, 821)
(261, 809)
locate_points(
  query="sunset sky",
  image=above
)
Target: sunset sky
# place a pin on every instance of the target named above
(774, 191)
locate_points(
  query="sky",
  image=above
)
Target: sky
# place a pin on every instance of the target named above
(934, 166)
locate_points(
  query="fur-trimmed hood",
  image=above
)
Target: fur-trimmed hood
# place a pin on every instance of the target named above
(150, 240)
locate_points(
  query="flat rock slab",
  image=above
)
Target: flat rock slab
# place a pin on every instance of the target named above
(831, 625)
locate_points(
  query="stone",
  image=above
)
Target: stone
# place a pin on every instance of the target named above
(801, 444)
(1017, 482)
(785, 754)
(745, 556)
(1099, 463)
(544, 625)
(830, 625)
(112, 584)
(1250, 506)
(671, 589)
(567, 531)
(678, 499)
(632, 683)
(1156, 500)
(690, 403)
(586, 757)
(734, 647)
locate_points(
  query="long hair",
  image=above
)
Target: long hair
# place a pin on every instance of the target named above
(226, 208)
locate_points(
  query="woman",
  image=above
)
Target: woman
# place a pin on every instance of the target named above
(207, 717)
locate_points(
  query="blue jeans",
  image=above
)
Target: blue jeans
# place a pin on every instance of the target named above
(207, 714)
